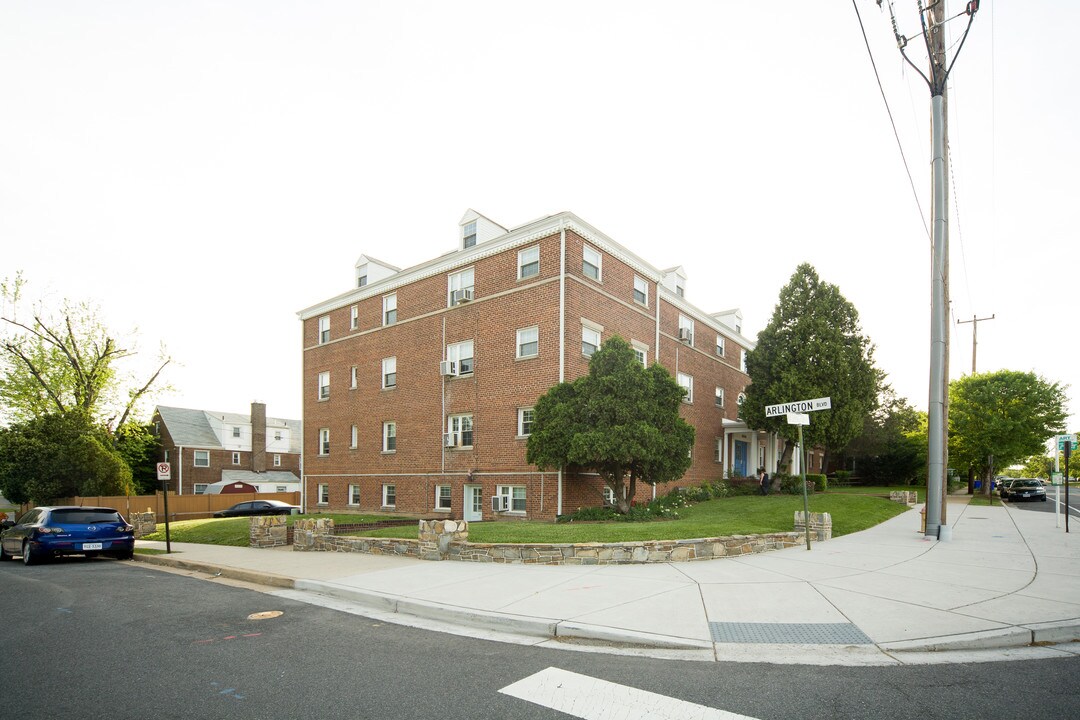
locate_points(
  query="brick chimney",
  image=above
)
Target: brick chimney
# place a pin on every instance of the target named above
(258, 437)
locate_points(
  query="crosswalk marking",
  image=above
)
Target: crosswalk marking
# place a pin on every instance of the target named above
(592, 699)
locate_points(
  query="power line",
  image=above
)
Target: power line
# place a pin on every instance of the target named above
(896, 134)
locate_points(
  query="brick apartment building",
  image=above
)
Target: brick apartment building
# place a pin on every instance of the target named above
(214, 451)
(419, 383)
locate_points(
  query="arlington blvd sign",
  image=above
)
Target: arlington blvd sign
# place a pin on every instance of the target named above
(800, 406)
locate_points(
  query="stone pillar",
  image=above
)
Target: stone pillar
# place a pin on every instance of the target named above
(268, 531)
(908, 497)
(309, 533)
(144, 523)
(436, 536)
(820, 525)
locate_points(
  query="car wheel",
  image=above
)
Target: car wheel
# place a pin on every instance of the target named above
(29, 557)
(1043, 498)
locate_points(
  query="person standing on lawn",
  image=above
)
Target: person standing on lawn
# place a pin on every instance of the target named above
(764, 483)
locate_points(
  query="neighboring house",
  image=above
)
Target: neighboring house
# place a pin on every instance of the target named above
(419, 383)
(214, 449)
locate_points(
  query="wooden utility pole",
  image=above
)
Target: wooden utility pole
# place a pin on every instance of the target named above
(974, 335)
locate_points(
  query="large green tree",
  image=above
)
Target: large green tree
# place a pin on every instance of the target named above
(621, 420)
(1005, 414)
(890, 449)
(60, 455)
(812, 347)
(64, 361)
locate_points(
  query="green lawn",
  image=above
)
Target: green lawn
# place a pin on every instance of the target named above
(235, 531)
(746, 515)
(879, 490)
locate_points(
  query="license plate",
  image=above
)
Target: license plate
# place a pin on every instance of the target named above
(1027, 494)
(91, 546)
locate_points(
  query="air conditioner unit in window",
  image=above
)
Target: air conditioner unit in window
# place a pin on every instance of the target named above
(685, 335)
(448, 368)
(450, 439)
(500, 503)
(466, 295)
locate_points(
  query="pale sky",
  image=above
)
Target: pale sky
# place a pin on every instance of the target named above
(204, 170)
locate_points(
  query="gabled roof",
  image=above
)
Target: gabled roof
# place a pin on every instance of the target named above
(189, 427)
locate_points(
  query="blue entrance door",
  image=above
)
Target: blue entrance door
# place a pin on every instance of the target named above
(740, 458)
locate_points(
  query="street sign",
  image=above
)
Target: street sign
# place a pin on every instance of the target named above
(164, 471)
(1062, 439)
(798, 419)
(799, 406)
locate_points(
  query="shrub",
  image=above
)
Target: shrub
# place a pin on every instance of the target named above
(792, 484)
(821, 483)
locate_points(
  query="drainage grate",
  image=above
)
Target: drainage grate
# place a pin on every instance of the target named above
(789, 633)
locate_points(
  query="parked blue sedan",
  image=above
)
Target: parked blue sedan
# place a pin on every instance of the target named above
(46, 532)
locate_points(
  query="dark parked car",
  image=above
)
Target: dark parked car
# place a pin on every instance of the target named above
(1024, 489)
(45, 532)
(258, 507)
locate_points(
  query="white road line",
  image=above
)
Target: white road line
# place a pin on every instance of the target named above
(592, 699)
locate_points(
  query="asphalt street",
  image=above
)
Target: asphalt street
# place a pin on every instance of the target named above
(108, 639)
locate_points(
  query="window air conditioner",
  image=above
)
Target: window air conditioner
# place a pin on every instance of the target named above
(448, 367)
(500, 503)
(684, 334)
(466, 295)
(450, 439)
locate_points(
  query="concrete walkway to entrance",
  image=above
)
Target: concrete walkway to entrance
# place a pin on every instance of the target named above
(1006, 586)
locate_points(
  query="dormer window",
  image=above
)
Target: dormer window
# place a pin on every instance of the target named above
(361, 281)
(468, 235)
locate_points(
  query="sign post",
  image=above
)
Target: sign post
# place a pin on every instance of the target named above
(164, 474)
(796, 413)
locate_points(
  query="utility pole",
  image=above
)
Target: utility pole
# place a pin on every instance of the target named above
(932, 18)
(974, 335)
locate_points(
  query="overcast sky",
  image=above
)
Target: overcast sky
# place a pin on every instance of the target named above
(204, 170)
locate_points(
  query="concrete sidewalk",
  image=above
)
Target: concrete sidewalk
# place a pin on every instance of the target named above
(1007, 586)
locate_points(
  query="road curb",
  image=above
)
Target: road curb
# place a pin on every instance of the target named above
(251, 576)
(982, 640)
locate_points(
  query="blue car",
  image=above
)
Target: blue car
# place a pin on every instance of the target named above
(46, 532)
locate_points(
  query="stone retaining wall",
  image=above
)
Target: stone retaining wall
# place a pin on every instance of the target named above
(447, 540)
(820, 525)
(908, 497)
(144, 523)
(268, 531)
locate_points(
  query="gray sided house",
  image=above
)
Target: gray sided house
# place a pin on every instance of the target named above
(210, 451)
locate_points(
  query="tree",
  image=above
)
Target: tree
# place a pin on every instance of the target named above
(890, 449)
(64, 362)
(60, 455)
(1007, 414)
(138, 446)
(812, 347)
(621, 421)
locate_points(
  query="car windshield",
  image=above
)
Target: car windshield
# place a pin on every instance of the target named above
(82, 516)
(1028, 484)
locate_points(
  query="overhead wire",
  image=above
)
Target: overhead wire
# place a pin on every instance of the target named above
(892, 121)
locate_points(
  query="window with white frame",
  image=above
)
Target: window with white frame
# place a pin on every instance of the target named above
(528, 342)
(641, 352)
(361, 281)
(528, 262)
(461, 354)
(680, 287)
(324, 329)
(200, 488)
(686, 330)
(515, 495)
(720, 345)
(687, 384)
(442, 497)
(741, 399)
(742, 361)
(354, 437)
(324, 441)
(324, 494)
(590, 340)
(468, 235)
(460, 428)
(354, 317)
(352, 377)
(235, 431)
(354, 494)
(459, 287)
(590, 262)
(389, 496)
(719, 397)
(389, 437)
(389, 373)
(235, 458)
(277, 460)
(525, 421)
(277, 435)
(389, 309)
(719, 450)
(609, 497)
(202, 458)
(281, 488)
(166, 456)
(641, 291)
(324, 385)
